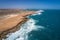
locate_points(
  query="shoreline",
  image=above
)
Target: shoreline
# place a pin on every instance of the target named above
(14, 29)
(11, 24)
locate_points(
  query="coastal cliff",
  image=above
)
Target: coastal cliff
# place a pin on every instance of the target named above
(12, 21)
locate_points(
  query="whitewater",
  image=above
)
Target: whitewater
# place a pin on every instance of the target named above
(26, 28)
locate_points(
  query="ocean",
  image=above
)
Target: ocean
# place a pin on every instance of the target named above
(42, 26)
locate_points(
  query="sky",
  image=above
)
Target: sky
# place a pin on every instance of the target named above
(30, 4)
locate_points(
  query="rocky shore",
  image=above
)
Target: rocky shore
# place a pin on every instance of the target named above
(12, 23)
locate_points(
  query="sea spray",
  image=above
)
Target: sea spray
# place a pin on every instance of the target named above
(22, 34)
(39, 12)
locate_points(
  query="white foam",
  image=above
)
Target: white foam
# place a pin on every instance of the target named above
(22, 34)
(38, 12)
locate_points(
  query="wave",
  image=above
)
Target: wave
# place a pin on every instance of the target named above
(22, 34)
(39, 12)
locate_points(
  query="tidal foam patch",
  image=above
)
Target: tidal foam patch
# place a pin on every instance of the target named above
(22, 34)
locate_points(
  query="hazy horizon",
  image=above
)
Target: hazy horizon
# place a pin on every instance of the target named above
(30, 4)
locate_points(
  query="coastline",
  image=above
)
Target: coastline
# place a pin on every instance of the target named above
(11, 24)
(14, 29)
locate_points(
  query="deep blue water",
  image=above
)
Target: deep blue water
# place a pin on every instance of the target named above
(50, 19)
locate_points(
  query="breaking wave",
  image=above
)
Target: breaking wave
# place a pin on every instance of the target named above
(38, 12)
(22, 34)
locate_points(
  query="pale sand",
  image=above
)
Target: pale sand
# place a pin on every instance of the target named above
(12, 21)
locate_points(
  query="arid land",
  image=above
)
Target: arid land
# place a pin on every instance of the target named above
(11, 20)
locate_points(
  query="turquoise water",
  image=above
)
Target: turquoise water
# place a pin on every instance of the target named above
(41, 26)
(50, 19)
